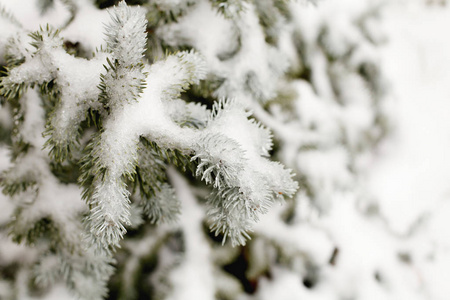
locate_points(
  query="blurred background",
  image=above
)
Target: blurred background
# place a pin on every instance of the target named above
(365, 85)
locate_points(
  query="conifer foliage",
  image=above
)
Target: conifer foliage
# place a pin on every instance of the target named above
(165, 131)
(117, 122)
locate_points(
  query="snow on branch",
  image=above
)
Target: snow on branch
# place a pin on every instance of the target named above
(126, 35)
(124, 79)
(76, 91)
(139, 115)
(232, 159)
